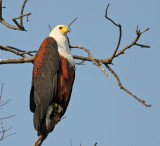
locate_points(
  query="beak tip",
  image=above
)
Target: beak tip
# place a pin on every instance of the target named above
(69, 30)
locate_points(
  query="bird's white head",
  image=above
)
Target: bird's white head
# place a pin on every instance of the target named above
(59, 33)
(60, 30)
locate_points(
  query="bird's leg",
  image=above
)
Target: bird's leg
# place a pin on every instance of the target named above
(57, 113)
(58, 109)
(54, 117)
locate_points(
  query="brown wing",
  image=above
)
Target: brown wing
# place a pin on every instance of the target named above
(44, 80)
(65, 83)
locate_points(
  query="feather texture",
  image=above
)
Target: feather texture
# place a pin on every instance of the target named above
(52, 81)
(44, 81)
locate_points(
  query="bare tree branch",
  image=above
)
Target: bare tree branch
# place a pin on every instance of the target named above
(80, 63)
(5, 48)
(17, 60)
(120, 33)
(3, 131)
(21, 16)
(93, 60)
(7, 117)
(2, 103)
(70, 142)
(28, 52)
(49, 28)
(142, 46)
(106, 61)
(126, 90)
(20, 51)
(22, 9)
(19, 26)
(1, 91)
(72, 22)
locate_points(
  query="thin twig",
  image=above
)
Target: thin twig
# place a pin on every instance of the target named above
(72, 22)
(19, 50)
(1, 91)
(93, 60)
(63, 118)
(108, 17)
(28, 52)
(22, 9)
(2, 126)
(80, 63)
(5, 48)
(142, 46)
(4, 131)
(21, 16)
(7, 136)
(1, 10)
(49, 28)
(8, 25)
(7, 117)
(126, 90)
(70, 142)
(145, 30)
(120, 33)
(106, 61)
(18, 25)
(2, 103)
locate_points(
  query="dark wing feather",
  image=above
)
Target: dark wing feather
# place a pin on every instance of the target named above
(44, 81)
(69, 43)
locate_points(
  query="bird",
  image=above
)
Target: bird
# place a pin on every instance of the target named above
(52, 80)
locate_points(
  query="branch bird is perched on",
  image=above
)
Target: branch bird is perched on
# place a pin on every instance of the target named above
(53, 77)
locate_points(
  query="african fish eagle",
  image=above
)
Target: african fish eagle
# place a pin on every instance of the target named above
(52, 80)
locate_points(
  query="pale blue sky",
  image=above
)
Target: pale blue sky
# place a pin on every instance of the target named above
(98, 111)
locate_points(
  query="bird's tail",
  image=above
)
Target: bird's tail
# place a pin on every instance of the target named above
(37, 121)
(45, 125)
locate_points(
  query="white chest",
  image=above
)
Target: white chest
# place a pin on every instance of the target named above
(63, 48)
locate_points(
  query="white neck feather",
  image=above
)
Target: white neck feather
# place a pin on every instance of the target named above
(63, 47)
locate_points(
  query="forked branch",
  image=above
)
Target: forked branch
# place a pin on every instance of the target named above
(3, 131)
(19, 26)
(97, 63)
(120, 34)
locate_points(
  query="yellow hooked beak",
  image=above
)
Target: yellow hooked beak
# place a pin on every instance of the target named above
(68, 29)
(64, 29)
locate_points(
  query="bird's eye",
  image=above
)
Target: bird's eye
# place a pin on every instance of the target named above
(60, 27)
